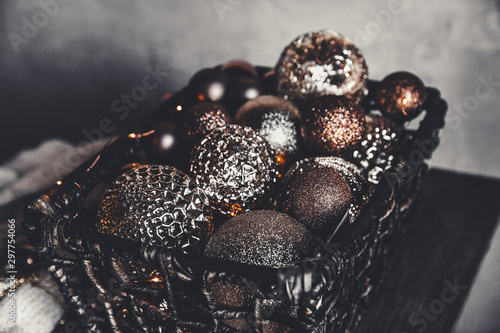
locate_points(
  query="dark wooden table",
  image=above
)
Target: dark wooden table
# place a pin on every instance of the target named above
(446, 241)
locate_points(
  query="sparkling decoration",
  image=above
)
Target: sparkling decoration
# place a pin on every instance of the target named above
(208, 84)
(263, 238)
(276, 120)
(316, 197)
(156, 205)
(203, 118)
(401, 95)
(236, 168)
(377, 150)
(353, 175)
(333, 125)
(321, 63)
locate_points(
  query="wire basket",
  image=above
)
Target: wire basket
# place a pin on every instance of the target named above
(329, 293)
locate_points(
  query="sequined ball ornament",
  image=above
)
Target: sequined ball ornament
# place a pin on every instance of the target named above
(263, 238)
(203, 118)
(235, 166)
(377, 150)
(333, 125)
(321, 63)
(359, 188)
(156, 205)
(276, 120)
(401, 95)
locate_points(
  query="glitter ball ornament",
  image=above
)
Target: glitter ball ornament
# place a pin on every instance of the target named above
(377, 149)
(236, 168)
(401, 95)
(321, 63)
(353, 175)
(263, 238)
(203, 118)
(156, 205)
(333, 125)
(317, 197)
(276, 120)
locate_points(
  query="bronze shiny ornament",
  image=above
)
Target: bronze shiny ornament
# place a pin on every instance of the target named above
(156, 205)
(203, 118)
(236, 168)
(401, 95)
(321, 63)
(333, 125)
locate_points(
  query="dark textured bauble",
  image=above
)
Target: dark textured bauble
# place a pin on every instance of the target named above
(263, 238)
(321, 63)
(401, 95)
(242, 91)
(235, 166)
(163, 144)
(203, 118)
(156, 205)
(238, 69)
(208, 84)
(276, 120)
(317, 197)
(353, 175)
(333, 125)
(229, 294)
(381, 142)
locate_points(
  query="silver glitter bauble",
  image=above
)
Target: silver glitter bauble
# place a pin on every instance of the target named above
(321, 63)
(377, 149)
(263, 238)
(235, 166)
(276, 120)
(157, 205)
(353, 175)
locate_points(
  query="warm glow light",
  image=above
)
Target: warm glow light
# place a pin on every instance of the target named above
(59, 182)
(405, 101)
(132, 135)
(179, 108)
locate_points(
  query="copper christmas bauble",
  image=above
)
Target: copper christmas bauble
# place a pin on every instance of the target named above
(263, 238)
(321, 63)
(235, 166)
(316, 197)
(381, 142)
(333, 125)
(156, 205)
(203, 118)
(359, 188)
(276, 120)
(401, 95)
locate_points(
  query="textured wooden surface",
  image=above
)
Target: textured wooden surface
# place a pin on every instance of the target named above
(447, 238)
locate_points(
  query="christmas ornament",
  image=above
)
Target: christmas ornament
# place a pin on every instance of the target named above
(238, 69)
(203, 118)
(321, 63)
(236, 168)
(163, 144)
(242, 91)
(401, 95)
(208, 84)
(263, 238)
(359, 187)
(333, 125)
(276, 120)
(156, 205)
(229, 294)
(376, 152)
(316, 197)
